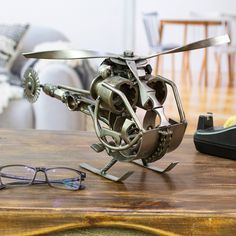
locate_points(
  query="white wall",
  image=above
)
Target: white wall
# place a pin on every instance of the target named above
(181, 9)
(109, 25)
(90, 24)
(178, 9)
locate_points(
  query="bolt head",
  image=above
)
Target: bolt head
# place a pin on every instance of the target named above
(128, 53)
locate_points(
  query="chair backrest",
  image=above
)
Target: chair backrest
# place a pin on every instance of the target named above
(205, 15)
(226, 21)
(151, 25)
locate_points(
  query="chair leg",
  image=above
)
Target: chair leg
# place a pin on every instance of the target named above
(232, 67)
(183, 70)
(231, 70)
(188, 69)
(156, 67)
(202, 70)
(173, 67)
(159, 66)
(218, 69)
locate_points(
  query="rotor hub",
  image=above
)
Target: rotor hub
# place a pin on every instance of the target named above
(128, 53)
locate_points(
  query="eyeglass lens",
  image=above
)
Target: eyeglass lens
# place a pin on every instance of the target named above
(64, 178)
(17, 175)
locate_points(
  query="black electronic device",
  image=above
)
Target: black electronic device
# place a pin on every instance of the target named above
(217, 141)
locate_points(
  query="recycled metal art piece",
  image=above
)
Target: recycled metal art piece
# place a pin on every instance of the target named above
(124, 83)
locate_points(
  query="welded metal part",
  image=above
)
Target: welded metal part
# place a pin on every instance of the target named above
(76, 90)
(147, 94)
(156, 169)
(160, 88)
(102, 133)
(31, 85)
(110, 97)
(124, 84)
(126, 103)
(105, 174)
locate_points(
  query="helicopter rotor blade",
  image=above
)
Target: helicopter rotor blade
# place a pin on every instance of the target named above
(68, 54)
(196, 45)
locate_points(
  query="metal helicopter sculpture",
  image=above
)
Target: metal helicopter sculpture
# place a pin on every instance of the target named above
(123, 84)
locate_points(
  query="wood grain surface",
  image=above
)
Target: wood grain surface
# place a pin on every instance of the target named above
(198, 197)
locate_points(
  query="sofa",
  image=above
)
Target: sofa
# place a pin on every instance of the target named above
(46, 113)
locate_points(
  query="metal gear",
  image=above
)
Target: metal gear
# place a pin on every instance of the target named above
(31, 85)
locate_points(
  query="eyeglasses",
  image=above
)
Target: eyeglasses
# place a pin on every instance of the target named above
(58, 177)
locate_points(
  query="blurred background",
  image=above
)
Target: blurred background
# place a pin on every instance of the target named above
(205, 78)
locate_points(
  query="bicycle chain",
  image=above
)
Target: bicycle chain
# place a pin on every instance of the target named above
(165, 137)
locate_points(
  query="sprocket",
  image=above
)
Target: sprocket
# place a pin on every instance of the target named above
(31, 85)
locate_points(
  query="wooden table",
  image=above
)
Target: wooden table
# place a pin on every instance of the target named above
(205, 23)
(198, 197)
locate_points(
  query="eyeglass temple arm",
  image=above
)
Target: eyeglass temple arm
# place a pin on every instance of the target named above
(39, 181)
(14, 177)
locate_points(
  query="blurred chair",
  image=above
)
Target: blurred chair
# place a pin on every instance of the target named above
(228, 50)
(154, 37)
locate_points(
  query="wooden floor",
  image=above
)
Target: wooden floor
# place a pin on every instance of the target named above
(198, 99)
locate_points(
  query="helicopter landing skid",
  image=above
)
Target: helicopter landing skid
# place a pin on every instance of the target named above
(104, 174)
(156, 169)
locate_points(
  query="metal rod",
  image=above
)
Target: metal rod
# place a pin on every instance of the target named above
(177, 98)
(108, 166)
(87, 92)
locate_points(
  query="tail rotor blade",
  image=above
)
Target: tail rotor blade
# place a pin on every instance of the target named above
(68, 54)
(196, 45)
